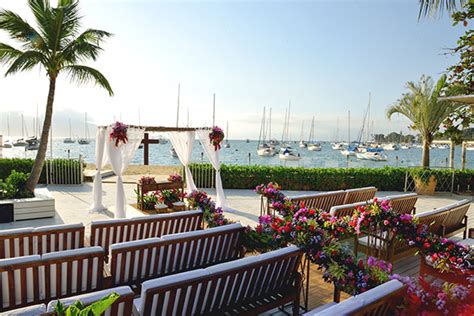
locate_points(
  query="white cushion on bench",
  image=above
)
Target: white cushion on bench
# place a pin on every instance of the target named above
(58, 227)
(302, 196)
(167, 215)
(360, 189)
(111, 221)
(139, 303)
(34, 310)
(134, 243)
(398, 196)
(354, 303)
(202, 231)
(346, 206)
(89, 298)
(72, 252)
(16, 260)
(15, 231)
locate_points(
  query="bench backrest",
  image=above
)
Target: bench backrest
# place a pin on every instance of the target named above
(221, 287)
(346, 209)
(36, 279)
(359, 195)
(321, 201)
(402, 203)
(32, 241)
(456, 213)
(107, 232)
(380, 301)
(121, 307)
(136, 261)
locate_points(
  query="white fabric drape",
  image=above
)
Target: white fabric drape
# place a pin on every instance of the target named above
(120, 157)
(213, 156)
(183, 145)
(100, 138)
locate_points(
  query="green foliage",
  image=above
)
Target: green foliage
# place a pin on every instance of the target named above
(14, 186)
(95, 309)
(70, 166)
(327, 179)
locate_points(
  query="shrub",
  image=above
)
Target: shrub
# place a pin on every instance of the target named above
(325, 179)
(14, 186)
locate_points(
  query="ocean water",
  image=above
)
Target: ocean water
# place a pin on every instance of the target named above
(242, 153)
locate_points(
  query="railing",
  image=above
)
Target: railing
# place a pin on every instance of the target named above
(64, 171)
(204, 175)
(430, 180)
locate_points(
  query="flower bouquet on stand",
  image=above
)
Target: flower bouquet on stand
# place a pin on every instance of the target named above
(119, 133)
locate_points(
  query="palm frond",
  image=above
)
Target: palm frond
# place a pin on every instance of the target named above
(8, 53)
(85, 46)
(433, 7)
(26, 61)
(83, 74)
(20, 30)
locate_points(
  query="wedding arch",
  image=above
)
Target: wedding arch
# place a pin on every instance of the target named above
(119, 154)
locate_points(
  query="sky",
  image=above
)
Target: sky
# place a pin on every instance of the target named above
(324, 57)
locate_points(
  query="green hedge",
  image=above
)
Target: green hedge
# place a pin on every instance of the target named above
(325, 179)
(25, 165)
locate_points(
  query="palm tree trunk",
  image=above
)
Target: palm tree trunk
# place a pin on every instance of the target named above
(451, 154)
(463, 156)
(426, 153)
(41, 155)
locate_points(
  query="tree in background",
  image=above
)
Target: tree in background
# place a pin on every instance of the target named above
(422, 106)
(454, 126)
(55, 46)
(461, 75)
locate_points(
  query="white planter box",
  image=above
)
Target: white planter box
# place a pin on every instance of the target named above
(40, 206)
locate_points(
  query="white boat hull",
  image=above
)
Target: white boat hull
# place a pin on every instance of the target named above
(348, 153)
(265, 152)
(313, 147)
(290, 157)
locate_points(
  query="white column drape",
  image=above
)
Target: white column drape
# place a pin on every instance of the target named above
(183, 144)
(120, 157)
(100, 160)
(213, 156)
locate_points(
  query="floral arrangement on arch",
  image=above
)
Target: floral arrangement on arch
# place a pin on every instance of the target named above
(175, 177)
(119, 133)
(216, 136)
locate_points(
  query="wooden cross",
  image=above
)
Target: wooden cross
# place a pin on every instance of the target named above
(146, 141)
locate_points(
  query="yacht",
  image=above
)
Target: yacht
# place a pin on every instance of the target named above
(8, 144)
(289, 155)
(312, 145)
(21, 142)
(374, 154)
(33, 143)
(85, 140)
(173, 153)
(227, 145)
(338, 146)
(391, 146)
(69, 140)
(263, 148)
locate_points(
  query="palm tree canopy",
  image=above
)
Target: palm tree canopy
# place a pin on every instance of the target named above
(56, 44)
(431, 7)
(422, 105)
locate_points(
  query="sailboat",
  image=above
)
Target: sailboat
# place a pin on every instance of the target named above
(263, 148)
(85, 140)
(69, 140)
(312, 145)
(21, 142)
(172, 150)
(337, 145)
(302, 142)
(8, 143)
(286, 152)
(227, 145)
(351, 150)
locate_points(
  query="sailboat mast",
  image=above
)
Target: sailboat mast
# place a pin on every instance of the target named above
(288, 125)
(337, 130)
(22, 127)
(270, 125)
(214, 110)
(8, 124)
(227, 132)
(349, 127)
(177, 108)
(368, 120)
(284, 127)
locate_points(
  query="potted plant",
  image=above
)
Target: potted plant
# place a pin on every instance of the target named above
(94, 309)
(425, 182)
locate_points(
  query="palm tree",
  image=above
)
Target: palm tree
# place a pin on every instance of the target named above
(431, 7)
(57, 46)
(422, 106)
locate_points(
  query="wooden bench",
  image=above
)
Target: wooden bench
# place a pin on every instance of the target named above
(38, 279)
(245, 286)
(321, 201)
(402, 203)
(107, 232)
(450, 219)
(359, 195)
(346, 209)
(32, 241)
(121, 307)
(380, 301)
(136, 261)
